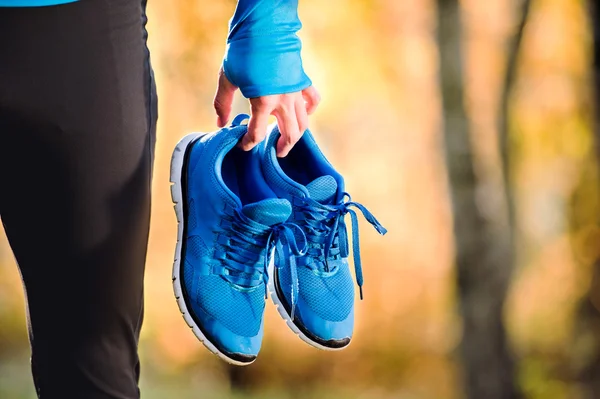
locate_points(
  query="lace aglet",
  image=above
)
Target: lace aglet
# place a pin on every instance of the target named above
(361, 292)
(292, 315)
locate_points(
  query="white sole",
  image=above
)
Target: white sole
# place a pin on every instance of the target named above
(287, 318)
(177, 196)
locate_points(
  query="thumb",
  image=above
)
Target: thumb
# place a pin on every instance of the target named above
(312, 98)
(223, 99)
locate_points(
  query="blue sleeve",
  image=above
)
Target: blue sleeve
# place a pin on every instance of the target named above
(263, 50)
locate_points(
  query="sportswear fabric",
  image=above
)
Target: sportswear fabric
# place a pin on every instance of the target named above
(263, 53)
(229, 222)
(315, 294)
(33, 3)
(263, 50)
(77, 132)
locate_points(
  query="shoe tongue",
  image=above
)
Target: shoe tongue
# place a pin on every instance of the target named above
(268, 212)
(322, 189)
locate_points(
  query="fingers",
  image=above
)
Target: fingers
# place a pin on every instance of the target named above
(291, 111)
(223, 99)
(259, 121)
(288, 127)
(301, 116)
(312, 98)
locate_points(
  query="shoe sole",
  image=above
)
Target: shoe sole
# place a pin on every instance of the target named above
(177, 165)
(288, 319)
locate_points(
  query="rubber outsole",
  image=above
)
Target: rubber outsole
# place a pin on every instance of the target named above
(177, 165)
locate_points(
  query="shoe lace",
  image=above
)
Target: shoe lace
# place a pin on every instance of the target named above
(247, 247)
(327, 234)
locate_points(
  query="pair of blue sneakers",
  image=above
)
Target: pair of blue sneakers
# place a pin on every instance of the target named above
(251, 223)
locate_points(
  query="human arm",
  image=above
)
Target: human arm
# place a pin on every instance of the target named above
(263, 59)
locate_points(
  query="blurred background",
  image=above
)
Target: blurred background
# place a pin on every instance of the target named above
(482, 167)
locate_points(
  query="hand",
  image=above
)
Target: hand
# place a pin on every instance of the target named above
(291, 111)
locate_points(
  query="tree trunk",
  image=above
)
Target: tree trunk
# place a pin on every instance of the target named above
(514, 46)
(483, 247)
(595, 22)
(587, 327)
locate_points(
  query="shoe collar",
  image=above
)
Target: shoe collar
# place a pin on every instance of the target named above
(314, 157)
(227, 138)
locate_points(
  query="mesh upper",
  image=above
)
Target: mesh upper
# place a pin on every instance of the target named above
(239, 311)
(191, 219)
(188, 274)
(195, 248)
(268, 212)
(322, 189)
(331, 298)
(218, 297)
(273, 177)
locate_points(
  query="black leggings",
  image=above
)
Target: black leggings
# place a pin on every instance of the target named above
(77, 134)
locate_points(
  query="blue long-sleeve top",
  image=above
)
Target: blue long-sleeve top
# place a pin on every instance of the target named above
(32, 3)
(263, 48)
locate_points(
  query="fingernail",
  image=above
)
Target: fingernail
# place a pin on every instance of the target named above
(246, 145)
(281, 154)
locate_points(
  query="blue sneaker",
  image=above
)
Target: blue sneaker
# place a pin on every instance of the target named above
(315, 294)
(229, 224)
